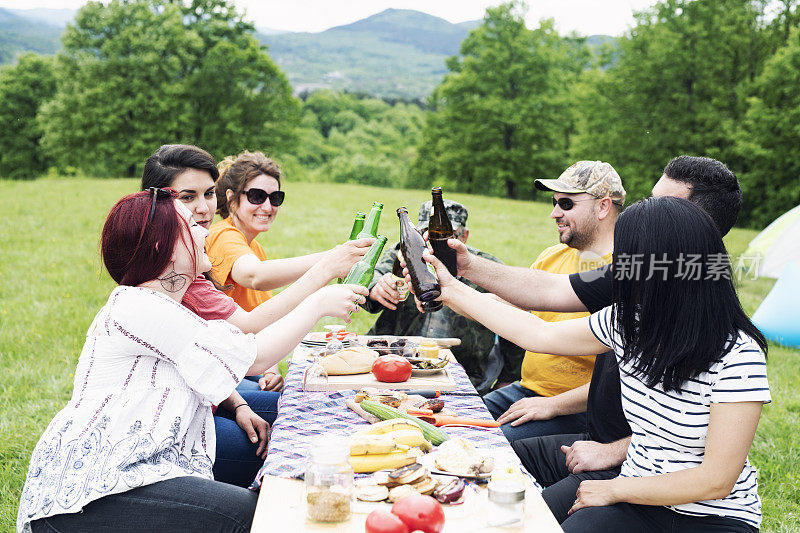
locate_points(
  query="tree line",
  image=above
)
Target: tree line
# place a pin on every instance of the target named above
(716, 78)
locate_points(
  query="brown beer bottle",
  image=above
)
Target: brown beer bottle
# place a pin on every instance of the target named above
(439, 230)
(422, 274)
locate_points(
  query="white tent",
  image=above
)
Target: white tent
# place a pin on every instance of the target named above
(778, 245)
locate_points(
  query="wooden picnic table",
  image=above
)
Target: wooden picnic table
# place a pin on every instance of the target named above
(303, 415)
(281, 507)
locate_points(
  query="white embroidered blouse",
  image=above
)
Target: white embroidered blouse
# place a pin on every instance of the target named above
(140, 410)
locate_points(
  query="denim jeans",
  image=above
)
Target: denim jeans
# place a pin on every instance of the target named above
(182, 504)
(498, 402)
(236, 462)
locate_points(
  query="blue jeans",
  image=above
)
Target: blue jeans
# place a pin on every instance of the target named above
(236, 462)
(498, 402)
(182, 504)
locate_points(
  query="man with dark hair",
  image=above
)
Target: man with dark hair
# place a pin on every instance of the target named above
(561, 462)
(712, 186)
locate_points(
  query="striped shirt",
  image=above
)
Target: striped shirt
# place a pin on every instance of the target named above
(670, 428)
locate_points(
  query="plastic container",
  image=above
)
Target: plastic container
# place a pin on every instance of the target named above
(329, 480)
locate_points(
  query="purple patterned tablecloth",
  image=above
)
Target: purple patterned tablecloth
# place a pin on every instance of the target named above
(303, 415)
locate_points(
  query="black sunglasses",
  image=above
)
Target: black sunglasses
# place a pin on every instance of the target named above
(567, 203)
(259, 196)
(157, 193)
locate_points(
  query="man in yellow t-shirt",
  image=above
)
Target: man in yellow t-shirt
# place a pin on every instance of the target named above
(587, 199)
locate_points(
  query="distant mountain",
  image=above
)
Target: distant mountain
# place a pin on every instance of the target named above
(397, 52)
(19, 35)
(52, 17)
(270, 31)
(394, 53)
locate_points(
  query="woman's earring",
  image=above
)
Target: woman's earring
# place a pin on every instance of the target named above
(173, 282)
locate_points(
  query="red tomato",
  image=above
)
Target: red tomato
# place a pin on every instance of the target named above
(420, 512)
(382, 521)
(391, 369)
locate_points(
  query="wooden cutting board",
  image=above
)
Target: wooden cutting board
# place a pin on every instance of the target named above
(442, 381)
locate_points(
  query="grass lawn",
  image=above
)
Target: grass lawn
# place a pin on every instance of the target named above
(52, 284)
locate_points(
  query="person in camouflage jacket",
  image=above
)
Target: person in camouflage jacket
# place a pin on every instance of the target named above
(476, 340)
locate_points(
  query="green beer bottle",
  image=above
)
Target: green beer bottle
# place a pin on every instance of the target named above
(371, 224)
(362, 272)
(358, 224)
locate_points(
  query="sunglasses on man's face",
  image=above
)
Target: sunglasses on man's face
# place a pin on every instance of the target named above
(157, 193)
(259, 196)
(567, 203)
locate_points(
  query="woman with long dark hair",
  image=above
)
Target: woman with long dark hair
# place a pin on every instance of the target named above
(134, 447)
(692, 371)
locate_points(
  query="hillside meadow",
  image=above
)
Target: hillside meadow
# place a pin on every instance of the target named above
(52, 284)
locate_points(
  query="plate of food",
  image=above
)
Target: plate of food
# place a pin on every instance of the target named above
(426, 367)
(459, 457)
(389, 486)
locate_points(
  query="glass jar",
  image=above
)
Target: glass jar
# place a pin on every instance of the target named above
(428, 349)
(506, 507)
(329, 480)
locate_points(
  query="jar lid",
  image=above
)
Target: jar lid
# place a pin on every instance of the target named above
(328, 449)
(506, 492)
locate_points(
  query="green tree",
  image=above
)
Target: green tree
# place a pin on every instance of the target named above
(676, 88)
(135, 74)
(351, 138)
(120, 91)
(238, 97)
(23, 89)
(501, 116)
(769, 139)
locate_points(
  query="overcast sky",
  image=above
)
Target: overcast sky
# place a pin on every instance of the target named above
(586, 17)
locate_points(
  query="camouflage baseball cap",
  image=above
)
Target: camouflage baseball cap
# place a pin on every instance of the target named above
(456, 212)
(592, 177)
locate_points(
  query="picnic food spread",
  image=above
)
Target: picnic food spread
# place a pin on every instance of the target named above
(395, 456)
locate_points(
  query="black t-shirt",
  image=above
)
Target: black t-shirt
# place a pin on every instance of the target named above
(593, 287)
(604, 414)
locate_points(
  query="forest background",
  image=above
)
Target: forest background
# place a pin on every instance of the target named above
(715, 78)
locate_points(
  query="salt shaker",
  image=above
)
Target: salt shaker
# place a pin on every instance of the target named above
(506, 506)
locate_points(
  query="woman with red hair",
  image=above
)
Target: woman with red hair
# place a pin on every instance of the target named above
(242, 420)
(134, 447)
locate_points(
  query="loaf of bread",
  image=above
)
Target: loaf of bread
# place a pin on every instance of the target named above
(355, 360)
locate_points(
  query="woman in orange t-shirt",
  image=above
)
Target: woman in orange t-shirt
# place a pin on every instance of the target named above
(248, 199)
